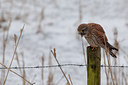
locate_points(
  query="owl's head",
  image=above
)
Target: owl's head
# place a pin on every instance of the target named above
(83, 29)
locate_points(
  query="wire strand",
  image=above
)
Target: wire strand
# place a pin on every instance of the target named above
(62, 65)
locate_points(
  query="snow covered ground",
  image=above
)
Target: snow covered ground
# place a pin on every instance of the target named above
(59, 30)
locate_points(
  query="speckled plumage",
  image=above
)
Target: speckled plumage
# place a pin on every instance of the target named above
(95, 36)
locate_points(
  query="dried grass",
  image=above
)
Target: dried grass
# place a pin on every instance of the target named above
(15, 73)
(80, 17)
(70, 79)
(39, 30)
(5, 39)
(23, 71)
(17, 43)
(50, 76)
(42, 70)
(115, 76)
(54, 54)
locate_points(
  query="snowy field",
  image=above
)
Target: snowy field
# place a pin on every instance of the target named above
(53, 24)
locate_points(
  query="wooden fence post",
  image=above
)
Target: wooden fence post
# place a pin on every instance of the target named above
(93, 68)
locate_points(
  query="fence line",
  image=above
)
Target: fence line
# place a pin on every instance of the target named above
(62, 65)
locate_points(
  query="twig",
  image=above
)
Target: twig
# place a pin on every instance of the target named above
(106, 72)
(16, 73)
(5, 39)
(42, 70)
(14, 54)
(108, 59)
(70, 79)
(54, 54)
(50, 76)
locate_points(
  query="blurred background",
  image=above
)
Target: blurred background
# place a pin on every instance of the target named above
(52, 24)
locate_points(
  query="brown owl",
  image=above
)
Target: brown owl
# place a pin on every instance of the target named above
(95, 36)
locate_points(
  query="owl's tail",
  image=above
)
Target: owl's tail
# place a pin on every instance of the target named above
(110, 48)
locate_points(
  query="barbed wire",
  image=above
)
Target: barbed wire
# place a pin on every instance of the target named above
(62, 65)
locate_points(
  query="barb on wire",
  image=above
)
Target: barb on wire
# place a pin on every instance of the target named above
(62, 65)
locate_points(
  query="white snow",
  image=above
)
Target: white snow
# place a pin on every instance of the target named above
(59, 31)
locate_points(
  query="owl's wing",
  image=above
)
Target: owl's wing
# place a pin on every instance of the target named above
(98, 32)
(96, 26)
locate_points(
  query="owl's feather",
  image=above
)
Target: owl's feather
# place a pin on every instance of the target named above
(95, 36)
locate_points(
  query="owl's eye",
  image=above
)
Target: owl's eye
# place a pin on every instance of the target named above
(82, 30)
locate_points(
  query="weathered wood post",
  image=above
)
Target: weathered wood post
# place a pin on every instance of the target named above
(93, 69)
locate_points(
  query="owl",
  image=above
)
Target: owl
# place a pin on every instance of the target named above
(95, 36)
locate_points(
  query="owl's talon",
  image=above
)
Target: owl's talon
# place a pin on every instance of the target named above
(93, 48)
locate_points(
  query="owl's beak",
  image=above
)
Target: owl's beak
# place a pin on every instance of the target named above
(81, 33)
